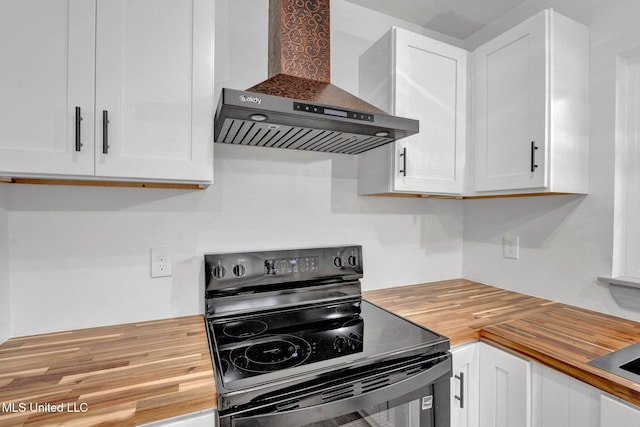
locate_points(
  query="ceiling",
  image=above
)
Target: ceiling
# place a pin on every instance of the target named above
(456, 18)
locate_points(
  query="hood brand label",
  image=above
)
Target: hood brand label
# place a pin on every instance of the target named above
(254, 99)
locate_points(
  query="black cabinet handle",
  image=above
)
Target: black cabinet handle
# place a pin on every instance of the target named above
(461, 397)
(533, 156)
(105, 132)
(78, 120)
(403, 171)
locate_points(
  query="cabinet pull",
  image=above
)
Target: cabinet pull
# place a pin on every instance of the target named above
(403, 171)
(533, 156)
(461, 397)
(78, 120)
(105, 132)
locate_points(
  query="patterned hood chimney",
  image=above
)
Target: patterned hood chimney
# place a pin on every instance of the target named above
(297, 106)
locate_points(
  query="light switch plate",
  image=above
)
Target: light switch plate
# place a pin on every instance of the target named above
(511, 247)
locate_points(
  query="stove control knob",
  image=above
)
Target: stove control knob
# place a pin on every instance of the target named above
(270, 266)
(340, 344)
(239, 270)
(219, 272)
(352, 260)
(337, 261)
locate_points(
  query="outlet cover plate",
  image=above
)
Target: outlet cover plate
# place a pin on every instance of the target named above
(161, 262)
(511, 247)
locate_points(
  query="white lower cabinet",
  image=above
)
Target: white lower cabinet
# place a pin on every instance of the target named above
(500, 389)
(559, 400)
(615, 413)
(197, 419)
(464, 385)
(505, 389)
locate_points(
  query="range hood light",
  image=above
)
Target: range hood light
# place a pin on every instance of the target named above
(258, 117)
(382, 133)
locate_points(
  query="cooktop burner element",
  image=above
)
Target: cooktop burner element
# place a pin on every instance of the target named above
(244, 328)
(270, 353)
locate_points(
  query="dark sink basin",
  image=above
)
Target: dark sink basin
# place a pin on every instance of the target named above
(624, 362)
(633, 366)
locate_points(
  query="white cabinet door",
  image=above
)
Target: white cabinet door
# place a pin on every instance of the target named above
(614, 413)
(562, 401)
(430, 86)
(410, 75)
(510, 108)
(465, 385)
(531, 108)
(47, 50)
(505, 389)
(154, 80)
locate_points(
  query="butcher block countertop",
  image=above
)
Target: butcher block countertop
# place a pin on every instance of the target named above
(142, 372)
(121, 375)
(557, 335)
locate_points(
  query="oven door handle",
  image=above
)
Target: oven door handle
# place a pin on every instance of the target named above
(326, 411)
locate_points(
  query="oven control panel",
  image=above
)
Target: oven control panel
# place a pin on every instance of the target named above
(292, 265)
(298, 262)
(255, 268)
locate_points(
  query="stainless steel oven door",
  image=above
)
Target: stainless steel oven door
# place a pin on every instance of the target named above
(421, 400)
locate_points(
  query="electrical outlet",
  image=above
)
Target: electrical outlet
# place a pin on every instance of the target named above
(161, 262)
(511, 247)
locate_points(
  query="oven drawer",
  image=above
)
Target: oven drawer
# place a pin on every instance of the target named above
(421, 398)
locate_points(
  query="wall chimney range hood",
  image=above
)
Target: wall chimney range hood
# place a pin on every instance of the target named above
(298, 107)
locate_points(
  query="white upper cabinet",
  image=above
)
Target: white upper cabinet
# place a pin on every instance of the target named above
(413, 76)
(47, 71)
(531, 108)
(154, 80)
(145, 65)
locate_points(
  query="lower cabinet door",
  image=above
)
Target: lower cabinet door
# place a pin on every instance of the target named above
(465, 385)
(614, 413)
(505, 389)
(562, 401)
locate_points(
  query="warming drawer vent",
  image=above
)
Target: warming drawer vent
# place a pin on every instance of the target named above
(413, 371)
(375, 383)
(338, 393)
(288, 406)
(248, 132)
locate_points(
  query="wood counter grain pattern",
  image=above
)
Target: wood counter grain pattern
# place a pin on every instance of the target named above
(458, 309)
(126, 374)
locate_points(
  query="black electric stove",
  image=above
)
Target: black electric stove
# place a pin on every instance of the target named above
(289, 328)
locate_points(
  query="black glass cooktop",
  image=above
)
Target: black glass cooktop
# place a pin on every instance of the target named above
(272, 346)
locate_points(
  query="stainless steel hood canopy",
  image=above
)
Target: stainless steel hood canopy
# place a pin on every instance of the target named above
(298, 107)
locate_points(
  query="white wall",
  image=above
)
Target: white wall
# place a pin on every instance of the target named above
(5, 318)
(79, 257)
(566, 241)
